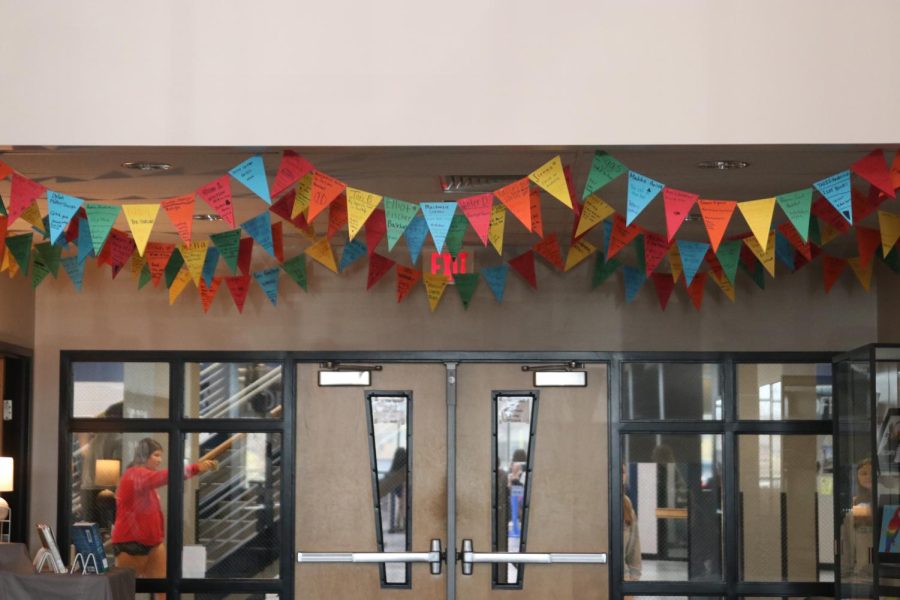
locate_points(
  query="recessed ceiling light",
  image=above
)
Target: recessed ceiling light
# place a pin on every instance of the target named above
(469, 184)
(723, 165)
(207, 217)
(147, 166)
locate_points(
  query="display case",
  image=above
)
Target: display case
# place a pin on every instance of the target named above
(867, 473)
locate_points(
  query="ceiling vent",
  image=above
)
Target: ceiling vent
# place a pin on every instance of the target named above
(475, 184)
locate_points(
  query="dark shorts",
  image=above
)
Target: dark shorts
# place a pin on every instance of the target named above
(132, 548)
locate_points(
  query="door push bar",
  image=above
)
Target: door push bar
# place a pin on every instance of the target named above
(434, 557)
(470, 557)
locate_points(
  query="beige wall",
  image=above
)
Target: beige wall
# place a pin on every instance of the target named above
(888, 305)
(16, 311)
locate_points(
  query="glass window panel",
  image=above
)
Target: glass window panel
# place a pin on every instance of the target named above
(783, 483)
(671, 391)
(389, 436)
(111, 478)
(244, 390)
(674, 487)
(513, 432)
(232, 513)
(127, 390)
(780, 392)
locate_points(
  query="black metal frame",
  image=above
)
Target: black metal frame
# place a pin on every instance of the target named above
(17, 434)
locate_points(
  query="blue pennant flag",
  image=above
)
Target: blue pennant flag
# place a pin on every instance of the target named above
(353, 251)
(641, 190)
(836, 190)
(75, 269)
(634, 279)
(692, 255)
(268, 281)
(784, 251)
(252, 173)
(85, 246)
(438, 215)
(496, 279)
(210, 264)
(61, 208)
(260, 229)
(607, 235)
(415, 236)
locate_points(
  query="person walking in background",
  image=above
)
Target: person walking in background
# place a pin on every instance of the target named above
(631, 542)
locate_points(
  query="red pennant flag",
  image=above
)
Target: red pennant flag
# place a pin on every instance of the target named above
(576, 205)
(325, 190)
(292, 168)
(713, 261)
(537, 219)
(283, 208)
(655, 249)
(801, 261)
(832, 267)
(570, 183)
(278, 241)
(524, 266)
(121, 247)
(868, 241)
(895, 171)
(517, 198)
(208, 293)
(245, 253)
(378, 266)
(695, 290)
(181, 212)
(5, 170)
(873, 168)
(376, 228)
(4, 222)
(677, 205)
(664, 286)
(238, 286)
(337, 215)
(876, 197)
(748, 258)
(218, 195)
(823, 209)
(23, 193)
(478, 211)
(622, 235)
(72, 229)
(716, 216)
(548, 249)
(863, 206)
(406, 279)
(793, 236)
(157, 256)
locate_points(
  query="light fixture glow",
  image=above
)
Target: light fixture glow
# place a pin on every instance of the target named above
(146, 165)
(723, 165)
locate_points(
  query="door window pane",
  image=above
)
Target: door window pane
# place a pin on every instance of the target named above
(247, 390)
(117, 390)
(671, 391)
(232, 513)
(673, 483)
(786, 484)
(777, 392)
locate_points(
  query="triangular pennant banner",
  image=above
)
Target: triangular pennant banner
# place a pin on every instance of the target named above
(695, 290)
(791, 234)
(863, 272)
(675, 265)
(61, 208)
(284, 208)
(278, 241)
(664, 286)
(551, 179)
(655, 249)
(353, 251)
(639, 252)
(498, 226)
(268, 281)
(496, 279)
(836, 190)
(22, 194)
(579, 251)
(378, 266)
(434, 288)
(325, 189)
(238, 287)
(548, 249)
(784, 251)
(867, 240)
(677, 204)
(594, 211)
(50, 255)
(252, 173)
(478, 211)
(291, 169)
(39, 271)
(398, 215)
(121, 247)
(723, 282)
(302, 196)
(832, 267)
(75, 270)
(603, 269)
(322, 254)
(260, 229)
(758, 214)
(194, 256)
(180, 211)
(829, 215)
(360, 205)
(182, 278)
(415, 235)
(376, 228)
(873, 168)
(456, 233)
(517, 198)
(32, 215)
(217, 194)
(766, 255)
(208, 292)
(210, 264)
(337, 215)
(157, 256)
(796, 205)
(141, 218)
(621, 235)
(466, 283)
(524, 266)
(604, 169)
(228, 243)
(537, 218)
(438, 215)
(641, 190)
(634, 279)
(716, 216)
(296, 270)
(173, 267)
(100, 221)
(890, 230)
(692, 254)
(406, 279)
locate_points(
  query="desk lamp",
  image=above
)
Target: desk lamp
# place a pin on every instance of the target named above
(6, 485)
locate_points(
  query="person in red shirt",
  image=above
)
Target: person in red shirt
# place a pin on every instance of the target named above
(139, 531)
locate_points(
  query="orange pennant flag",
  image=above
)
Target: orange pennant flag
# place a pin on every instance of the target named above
(863, 272)
(208, 293)
(157, 256)
(594, 211)
(832, 267)
(890, 230)
(321, 252)
(5, 170)
(764, 255)
(622, 235)
(758, 214)
(325, 189)
(406, 279)
(537, 219)
(181, 212)
(517, 198)
(716, 216)
(551, 178)
(434, 287)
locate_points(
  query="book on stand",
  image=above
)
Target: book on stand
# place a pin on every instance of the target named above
(49, 543)
(89, 546)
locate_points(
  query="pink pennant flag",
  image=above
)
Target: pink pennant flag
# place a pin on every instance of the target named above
(292, 168)
(677, 205)
(478, 211)
(218, 195)
(23, 193)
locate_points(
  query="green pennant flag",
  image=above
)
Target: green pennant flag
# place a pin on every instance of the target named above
(228, 243)
(51, 256)
(176, 260)
(398, 215)
(101, 218)
(893, 259)
(758, 274)
(729, 255)
(815, 237)
(640, 253)
(296, 270)
(604, 169)
(20, 246)
(455, 234)
(603, 269)
(796, 205)
(39, 271)
(145, 276)
(465, 285)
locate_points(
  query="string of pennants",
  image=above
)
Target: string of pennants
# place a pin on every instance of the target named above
(74, 230)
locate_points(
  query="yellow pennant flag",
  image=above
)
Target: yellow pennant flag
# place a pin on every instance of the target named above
(12, 265)
(595, 210)
(32, 214)
(322, 254)
(675, 262)
(137, 263)
(194, 256)
(434, 287)
(141, 218)
(304, 193)
(360, 205)
(498, 224)
(890, 230)
(765, 256)
(579, 251)
(828, 233)
(551, 178)
(863, 274)
(8, 262)
(178, 285)
(758, 214)
(722, 281)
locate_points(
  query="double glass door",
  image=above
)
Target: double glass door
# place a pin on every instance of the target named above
(457, 480)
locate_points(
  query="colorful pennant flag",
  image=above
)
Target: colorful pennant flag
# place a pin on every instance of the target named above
(466, 283)
(621, 235)
(406, 279)
(180, 211)
(890, 229)
(727, 287)
(32, 215)
(260, 229)
(217, 194)
(438, 215)
(100, 219)
(194, 256)
(141, 218)
(716, 216)
(208, 292)
(61, 209)
(210, 264)
(675, 265)
(695, 290)
(604, 169)
(784, 251)
(434, 289)
(398, 215)
(415, 237)
(477, 210)
(498, 225)
(75, 270)
(238, 287)
(50, 255)
(641, 190)
(791, 234)
(594, 211)
(692, 254)
(292, 168)
(302, 196)
(23, 193)
(537, 218)
(378, 266)
(455, 234)
(550, 178)
(873, 168)
(664, 286)
(524, 266)
(578, 251)
(867, 240)
(245, 255)
(548, 249)
(655, 249)
(158, 256)
(322, 254)
(796, 205)
(634, 279)
(836, 190)
(517, 198)
(360, 205)
(677, 204)
(278, 241)
(353, 251)
(863, 272)
(496, 279)
(376, 228)
(758, 214)
(268, 281)
(337, 215)
(182, 278)
(252, 173)
(228, 243)
(325, 190)
(296, 270)
(765, 255)
(832, 267)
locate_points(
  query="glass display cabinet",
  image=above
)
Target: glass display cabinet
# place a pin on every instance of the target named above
(867, 472)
